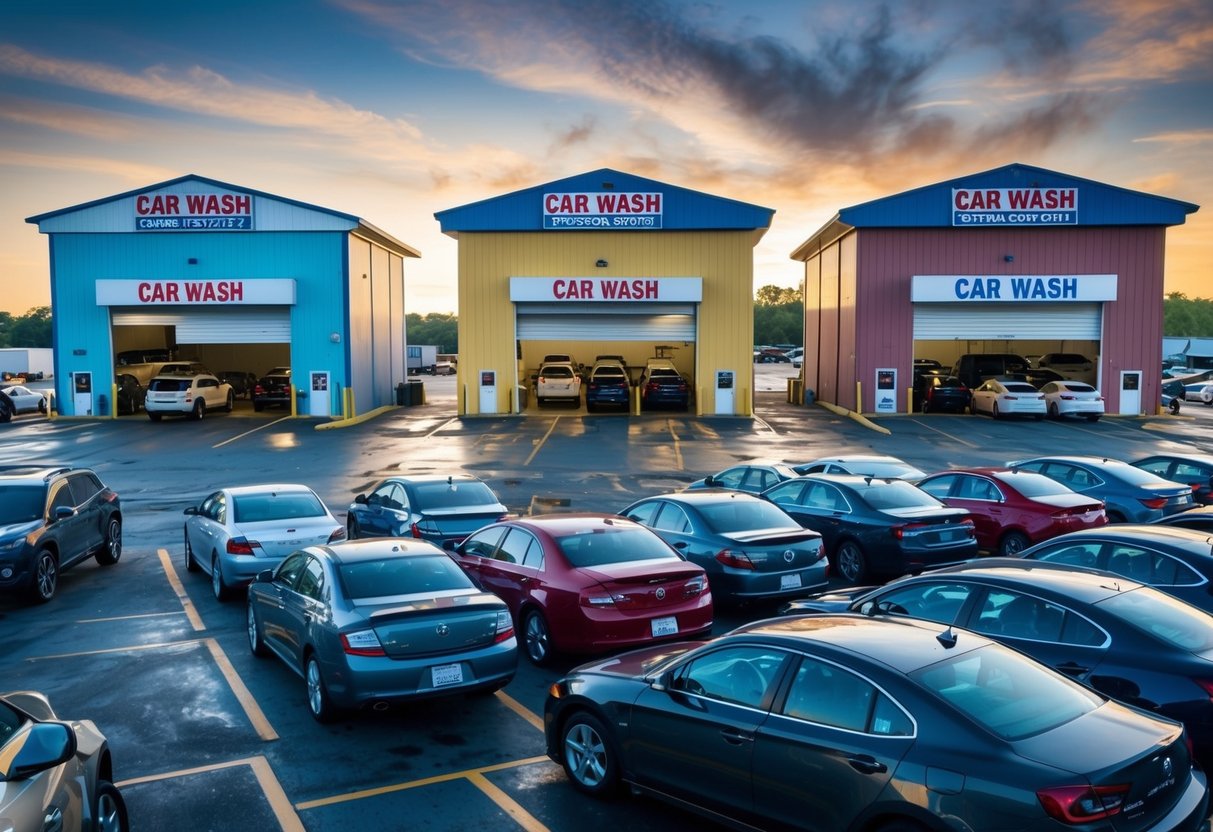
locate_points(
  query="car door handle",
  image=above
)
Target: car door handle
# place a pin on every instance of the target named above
(523, 579)
(682, 544)
(734, 737)
(1073, 669)
(53, 821)
(867, 765)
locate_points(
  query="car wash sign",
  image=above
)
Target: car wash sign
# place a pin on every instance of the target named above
(597, 289)
(193, 212)
(231, 292)
(983, 207)
(603, 210)
(1031, 288)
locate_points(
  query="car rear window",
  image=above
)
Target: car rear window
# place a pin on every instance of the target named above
(170, 385)
(453, 495)
(1006, 692)
(260, 508)
(1163, 617)
(557, 371)
(402, 576)
(602, 546)
(1033, 485)
(664, 375)
(897, 494)
(21, 503)
(732, 515)
(1020, 388)
(1078, 387)
(610, 374)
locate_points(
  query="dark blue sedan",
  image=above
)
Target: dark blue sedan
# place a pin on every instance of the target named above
(442, 510)
(1130, 495)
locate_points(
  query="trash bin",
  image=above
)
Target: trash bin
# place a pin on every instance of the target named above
(794, 388)
(523, 395)
(808, 396)
(416, 394)
(401, 394)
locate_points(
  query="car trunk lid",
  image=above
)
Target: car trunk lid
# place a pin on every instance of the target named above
(646, 585)
(435, 624)
(278, 538)
(778, 550)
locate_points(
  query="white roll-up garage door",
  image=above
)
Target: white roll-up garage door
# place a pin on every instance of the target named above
(1008, 321)
(606, 322)
(229, 325)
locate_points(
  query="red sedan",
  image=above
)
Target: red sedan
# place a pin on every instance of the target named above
(1014, 509)
(588, 583)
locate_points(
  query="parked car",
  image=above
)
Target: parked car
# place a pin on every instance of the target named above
(188, 396)
(1195, 470)
(1176, 560)
(940, 392)
(1200, 519)
(55, 774)
(242, 382)
(558, 381)
(1073, 398)
(1038, 377)
(771, 357)
(750, 549)
(236, 533)
(1000, 398)
(378, 622)
(1012, 510)
(868, 465)
(1129, 494)
(1201, 391)
(273, 389)
(868, 723)
(974, 368)
(1067, 363)
(130, 394)
(430, 507)
(588, 583)
(662, 385)
(1126, 640)
(442, 368)
(753, 477)
(876, 526)
(52, 518)
(608, 385)
(25, 400)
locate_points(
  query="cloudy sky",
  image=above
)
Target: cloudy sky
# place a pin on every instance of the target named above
(394, 109)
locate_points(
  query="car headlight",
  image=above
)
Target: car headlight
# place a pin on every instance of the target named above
(11, 544)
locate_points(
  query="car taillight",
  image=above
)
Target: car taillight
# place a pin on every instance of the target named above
(415, 531)
(258, 389)
(601, 600)
(593, 385)
(1082, 804)
(505, 627)
(900, 531)
(735, 559)
(651, 386)
(241, 546)
(1153, 502)
(110, 496)
(695, 587)
(338, 534)
(543, 380)
(1069, 398)
(362, 643)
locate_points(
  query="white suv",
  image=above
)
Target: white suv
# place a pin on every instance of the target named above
(188, 395)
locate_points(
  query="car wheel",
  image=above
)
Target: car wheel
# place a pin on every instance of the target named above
(42, 405)
(199, 410)
(218, 585)
(1054, 413)
(1012, 544)
(109, 809)
(255, 642)
(994, 412)
(191, 565)
(318, 702)
(155, 417)
(46, 576)
(852, 564)
(231, 401)
(351, 528)
(588, 756)
(1094, 417)
(111, 549)
(6, 413)
(537, 637)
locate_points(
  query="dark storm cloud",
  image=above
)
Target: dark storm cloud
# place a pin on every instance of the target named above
(1031, 36)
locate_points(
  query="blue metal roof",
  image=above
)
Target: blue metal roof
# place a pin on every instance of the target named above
(682, 208)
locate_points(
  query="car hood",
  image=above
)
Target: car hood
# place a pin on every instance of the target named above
(13, 530)
(637, 663)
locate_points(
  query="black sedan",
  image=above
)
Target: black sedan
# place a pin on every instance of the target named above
(1200, 519)
(1177, 561)
(873, 526)
(753, 477)
(441, 509)
(1195, 470)
(848, 722)
(750, 549)
(1127, 640)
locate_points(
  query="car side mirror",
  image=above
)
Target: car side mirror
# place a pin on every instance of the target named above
(360, 499)
(191, 510)
(64, 512)
(49, 744)
(265, 576)
(709, 480)
(661, 682)
(868, 608)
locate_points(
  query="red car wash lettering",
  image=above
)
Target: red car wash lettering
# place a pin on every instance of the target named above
(193, 291)
(605, 289)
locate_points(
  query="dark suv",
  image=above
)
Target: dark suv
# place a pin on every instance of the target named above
(50, 520)
(273, 388)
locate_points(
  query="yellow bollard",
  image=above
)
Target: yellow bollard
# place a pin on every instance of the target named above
(909, 400)
(294, 404)
(859, 397)
(113, 401)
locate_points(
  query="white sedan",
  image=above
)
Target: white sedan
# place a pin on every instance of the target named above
(1007, 398)
(236, 533)
(1073, 398)
(1200, 392)
(25, 400)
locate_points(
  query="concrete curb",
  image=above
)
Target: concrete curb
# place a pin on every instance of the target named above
(359, 419)
(858, 417)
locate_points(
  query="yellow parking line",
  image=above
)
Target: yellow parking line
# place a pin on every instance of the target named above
(175, 582)
(270, 787)
(127, 617)
(507, 804)
(413, 784)
(539, 444)
(248, 432)
(517, 707)
(669, 423)
(251, 709)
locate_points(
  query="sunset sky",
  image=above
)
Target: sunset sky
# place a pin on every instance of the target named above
(392, 110)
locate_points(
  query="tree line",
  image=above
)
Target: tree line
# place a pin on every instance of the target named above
(33, 329)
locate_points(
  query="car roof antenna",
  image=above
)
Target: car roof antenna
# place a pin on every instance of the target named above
(947, 638)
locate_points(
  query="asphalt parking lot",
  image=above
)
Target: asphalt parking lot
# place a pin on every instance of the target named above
(206, 736)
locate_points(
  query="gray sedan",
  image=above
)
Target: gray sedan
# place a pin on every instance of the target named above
(380, 621)
(750, 548)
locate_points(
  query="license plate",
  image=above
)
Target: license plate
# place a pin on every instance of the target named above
(789, 581)
(665, 626)
(446, 674)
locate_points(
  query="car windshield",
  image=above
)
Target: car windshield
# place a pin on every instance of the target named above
(453, 495)
(602, 546)
(733, 515)
(1006, 692)
(170, 385)
(1034, 485)
(21, 503)
(280, 505)
(398, 575)
(889, 494)
(1163, 617)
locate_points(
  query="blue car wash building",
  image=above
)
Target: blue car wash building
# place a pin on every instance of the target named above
(234, 278)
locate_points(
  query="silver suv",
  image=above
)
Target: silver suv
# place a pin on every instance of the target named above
(190, 395)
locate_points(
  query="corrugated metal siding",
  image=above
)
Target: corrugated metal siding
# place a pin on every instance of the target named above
(399, 366)
(231, 325)
(592, 326)
(811, 366)
(724, 260)
(361, 351)
(849, 337)
(831, 362)
(383, 385)
(1007, 321)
